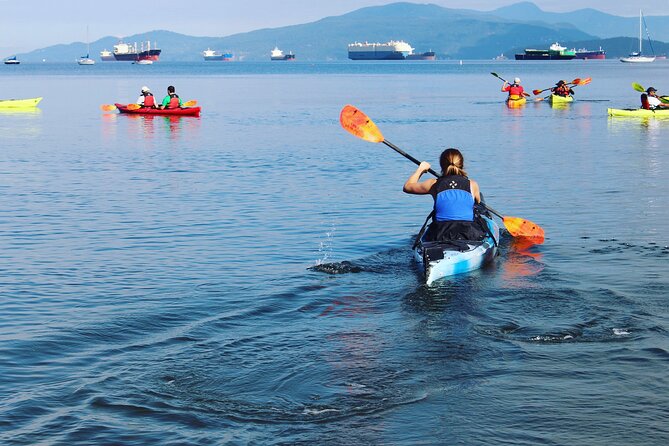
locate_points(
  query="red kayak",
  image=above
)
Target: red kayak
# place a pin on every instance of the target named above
(186, 111)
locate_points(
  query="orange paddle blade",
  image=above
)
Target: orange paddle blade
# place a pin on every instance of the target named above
(134, 106)
(519, 227)
(108, 107)
(537, 92)
(358, 124)
(576, 81)
(192, 103)
(585, 81)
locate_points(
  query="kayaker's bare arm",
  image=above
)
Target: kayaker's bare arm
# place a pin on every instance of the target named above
(504, 85)
(474, 187)
(412, 186)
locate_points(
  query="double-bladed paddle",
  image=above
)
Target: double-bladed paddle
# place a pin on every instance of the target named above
(358, 124)
(639, 88)
(576, 82)
(501, 78)
(112, 107)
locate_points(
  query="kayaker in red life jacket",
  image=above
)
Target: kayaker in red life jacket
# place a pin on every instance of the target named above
(562, 89)
(146, 98)
(454, 197)
(514, 89)
(172, 99)
(651, 101)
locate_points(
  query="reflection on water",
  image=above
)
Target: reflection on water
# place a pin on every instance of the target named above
(20, 122)
(149, 127)
(522, 260)
(21, 111)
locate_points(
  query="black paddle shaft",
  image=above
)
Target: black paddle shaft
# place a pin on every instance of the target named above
(407, 156)
(432, 171)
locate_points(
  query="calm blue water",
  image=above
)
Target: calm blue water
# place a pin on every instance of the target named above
(158, 282)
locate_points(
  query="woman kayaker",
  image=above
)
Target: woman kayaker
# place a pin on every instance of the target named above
(514, 89)
(454, 195)
(146, 98)
(562, 89)
(172, 99)
(652, 101)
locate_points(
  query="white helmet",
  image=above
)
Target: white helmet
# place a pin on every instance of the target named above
(145, 89)
(516, 80)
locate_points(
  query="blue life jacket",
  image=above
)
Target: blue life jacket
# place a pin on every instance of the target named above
(453, 199)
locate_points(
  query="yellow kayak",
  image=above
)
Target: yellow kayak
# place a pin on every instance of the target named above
(639, 112)
(555, 99)
(516, 101)
(19, 103)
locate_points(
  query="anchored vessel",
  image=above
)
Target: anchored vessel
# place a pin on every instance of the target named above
(555, 52)
(210, 54)
(590, 54)
(12, 61)
(393, 50)
(638, 57)
(277, 54)
(125, 52)
(106, 55)
(427, 55)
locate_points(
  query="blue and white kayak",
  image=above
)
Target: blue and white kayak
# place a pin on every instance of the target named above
(444, 259)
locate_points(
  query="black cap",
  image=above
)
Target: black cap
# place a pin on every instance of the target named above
(650, 89)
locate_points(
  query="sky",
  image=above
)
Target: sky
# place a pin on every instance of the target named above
(31, 24)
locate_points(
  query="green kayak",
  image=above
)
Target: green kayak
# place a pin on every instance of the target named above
(639, 112)
(555, 99)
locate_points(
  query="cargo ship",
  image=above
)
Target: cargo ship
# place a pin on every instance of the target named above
(555, 52)
(589, 54)
(427, 55)
(277, 54)
(210, 54)
(124, 52)
(393, 50)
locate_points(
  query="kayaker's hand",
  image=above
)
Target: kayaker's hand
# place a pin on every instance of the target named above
(424, 167)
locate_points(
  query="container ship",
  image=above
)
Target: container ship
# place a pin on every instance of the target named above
(124, 52)
(210, 54)
(589, 54)
(393, 50)
(555, 52)
(277, 54)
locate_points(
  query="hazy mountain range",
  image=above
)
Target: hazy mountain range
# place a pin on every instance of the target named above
(451, 33)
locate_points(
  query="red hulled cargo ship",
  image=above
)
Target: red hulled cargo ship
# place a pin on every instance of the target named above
(588, 54)
(132, 53)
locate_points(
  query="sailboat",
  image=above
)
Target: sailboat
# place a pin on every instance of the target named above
(86, 60)
(639, 57)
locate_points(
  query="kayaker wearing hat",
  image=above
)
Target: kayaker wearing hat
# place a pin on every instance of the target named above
(454, 195)
(652, 101)
(514, 89)
(172, 99)
(562, 89)
(146, 98)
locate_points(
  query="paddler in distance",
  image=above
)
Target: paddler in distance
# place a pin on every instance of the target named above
(515, 89)
(562, 89)
(454, 194)
(172, 99)
(146, 98)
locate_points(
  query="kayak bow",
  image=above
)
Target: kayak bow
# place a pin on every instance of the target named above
(19, 103)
